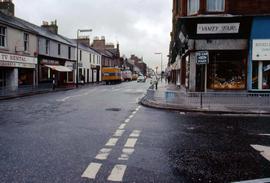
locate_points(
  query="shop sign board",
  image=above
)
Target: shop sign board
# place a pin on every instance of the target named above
(218, 28)
(70, 65)
(10, 60)
(50, 62)
(261, 49)
(80, 64)
(202, 57)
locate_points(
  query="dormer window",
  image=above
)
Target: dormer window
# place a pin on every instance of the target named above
(215, 5)
(193, 7)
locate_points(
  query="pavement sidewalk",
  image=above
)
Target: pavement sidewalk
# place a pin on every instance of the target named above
(170, 97)
(24, 92)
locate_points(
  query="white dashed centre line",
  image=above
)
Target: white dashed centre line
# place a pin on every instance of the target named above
(131, 142)
(131, 116)
(91, 171)
(126, 153)
(127, 120)
(264, 134)
(119, 133)
(103, 154)
(112, 142)
(134, 112)
(264, 151)
(135, 133)
(117, 173)
(122, 126)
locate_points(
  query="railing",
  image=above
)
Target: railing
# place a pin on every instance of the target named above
(210, 99)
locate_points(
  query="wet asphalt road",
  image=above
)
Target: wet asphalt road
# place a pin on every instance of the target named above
(101, 134)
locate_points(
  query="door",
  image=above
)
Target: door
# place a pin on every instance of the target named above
(88, 76)
(200, 78)
(2, 78)
(98, 73)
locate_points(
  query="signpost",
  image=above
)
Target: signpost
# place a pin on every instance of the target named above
(202, 58)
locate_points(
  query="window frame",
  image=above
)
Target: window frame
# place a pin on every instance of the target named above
(193, 12)
(90, 58)
(26, 43)
(59, 49)
(69, 53)
(216, 10)
(47, 46)
(4, 36)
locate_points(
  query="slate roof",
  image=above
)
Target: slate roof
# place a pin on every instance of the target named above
(32, 28)
(82, 46)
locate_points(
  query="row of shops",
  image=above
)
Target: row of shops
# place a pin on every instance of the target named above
(31, 56)
(222, 53)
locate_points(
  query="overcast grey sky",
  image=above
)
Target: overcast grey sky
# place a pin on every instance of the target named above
(142, 27)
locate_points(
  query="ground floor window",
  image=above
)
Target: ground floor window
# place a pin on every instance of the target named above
(70, 77)
(227, 70)
(2, 78)
(44, 73)
(26, 76)
(266, 75)
(255, 75)
(261, 75)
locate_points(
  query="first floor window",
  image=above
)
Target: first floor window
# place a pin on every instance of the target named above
(193, 6)
(3, 36)
(26, 41)
(47, 46)
(59, 49)
(215, 5)
(69, 52)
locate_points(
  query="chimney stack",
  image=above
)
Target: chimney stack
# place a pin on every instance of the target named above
(51, 27)
(7, 7)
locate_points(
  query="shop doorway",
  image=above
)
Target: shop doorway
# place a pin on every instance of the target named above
(2, 78)
(98, 74)
(26, 77)
(200, 78)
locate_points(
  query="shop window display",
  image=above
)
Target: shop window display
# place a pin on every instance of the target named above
(227, 71)
(255, 75)
(266, 75)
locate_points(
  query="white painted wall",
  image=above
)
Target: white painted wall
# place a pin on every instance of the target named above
(15, 42)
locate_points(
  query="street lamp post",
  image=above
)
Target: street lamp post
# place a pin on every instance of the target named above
(77, 60)
(161, 64)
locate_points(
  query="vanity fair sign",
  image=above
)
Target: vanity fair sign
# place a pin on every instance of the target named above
(10, 60)
(218, 28)
(261, 49)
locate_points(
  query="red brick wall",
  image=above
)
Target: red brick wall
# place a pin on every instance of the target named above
(248, 7)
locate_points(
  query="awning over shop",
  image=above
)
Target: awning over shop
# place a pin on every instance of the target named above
(59, 68)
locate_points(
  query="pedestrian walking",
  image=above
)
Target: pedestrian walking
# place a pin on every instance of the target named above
(53, 81)
(83, 79)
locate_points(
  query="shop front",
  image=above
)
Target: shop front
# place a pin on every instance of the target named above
(95, 73)
(259, 60)
(227, 70)
(224, 41)
(16, 71)
(58, 70)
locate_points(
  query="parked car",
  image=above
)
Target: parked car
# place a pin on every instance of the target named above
(141, 79)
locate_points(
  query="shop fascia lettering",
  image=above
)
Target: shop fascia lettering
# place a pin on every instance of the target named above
(17, 58)
(261, 50)
(10, 60)
(218, 28)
